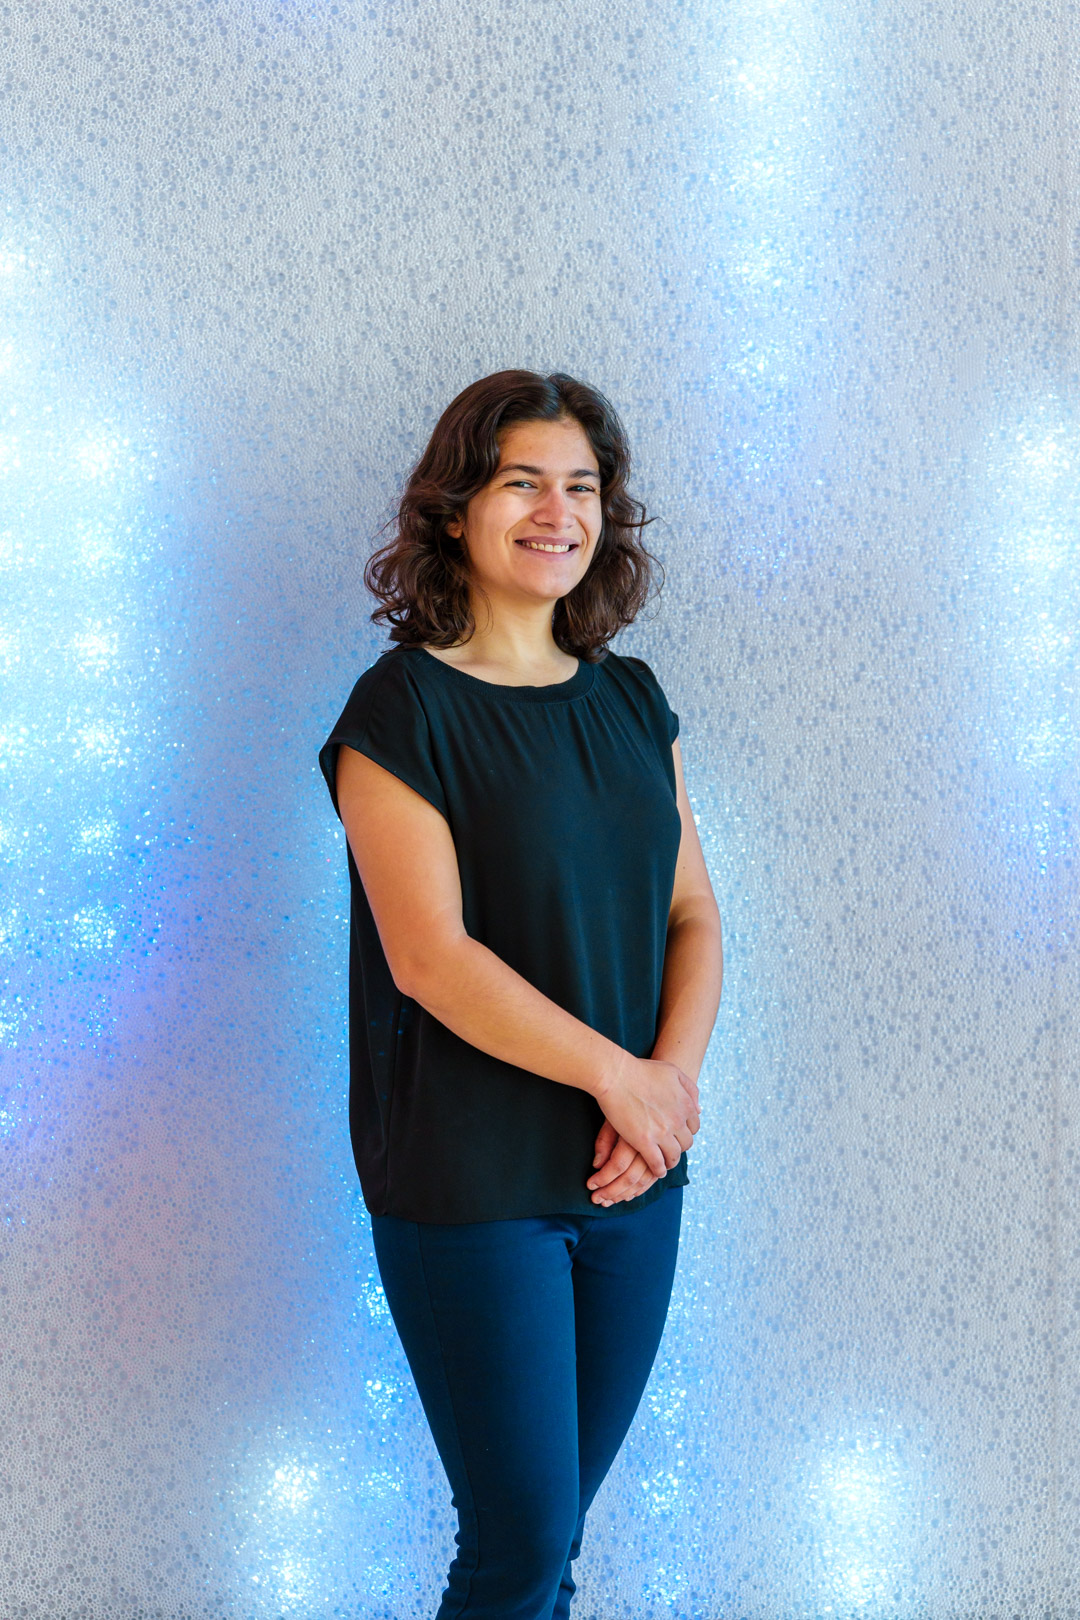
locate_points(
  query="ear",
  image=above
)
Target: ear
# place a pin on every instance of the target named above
(454, 528)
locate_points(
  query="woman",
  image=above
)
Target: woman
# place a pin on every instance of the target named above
(535, 970)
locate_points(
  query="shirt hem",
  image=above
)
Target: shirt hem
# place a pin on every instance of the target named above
(405, 1212)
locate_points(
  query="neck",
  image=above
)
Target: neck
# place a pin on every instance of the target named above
(512, 639)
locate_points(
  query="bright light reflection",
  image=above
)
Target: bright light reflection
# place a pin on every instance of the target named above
(96, 545)
(299, 1510)
(1029, 583)
(1046, 549)
(97, 459)
(860, 1500)
(668, 1404)
(92, 929)
(380, 1484)
(665, 1585)
(100, 837)
(663, 1493)
(94, 649)
(374, 1298)
(12, 263)
(382, 1394)
(76, 548)
(772, 159)
(1046, 743)
(293, 1486)
(289, 1578)
(1045, 459)
(13, 745)
(378, 1577)
(99, 740)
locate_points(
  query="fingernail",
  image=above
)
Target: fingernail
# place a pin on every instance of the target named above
(592, 1184)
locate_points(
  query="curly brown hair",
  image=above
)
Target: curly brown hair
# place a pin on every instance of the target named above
(421, 577)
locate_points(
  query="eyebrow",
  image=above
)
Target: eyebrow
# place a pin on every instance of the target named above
(538, 472)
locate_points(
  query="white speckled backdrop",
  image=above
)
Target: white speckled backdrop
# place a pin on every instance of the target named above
(822, 255)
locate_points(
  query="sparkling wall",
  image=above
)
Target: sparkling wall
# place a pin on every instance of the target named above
(822, 255)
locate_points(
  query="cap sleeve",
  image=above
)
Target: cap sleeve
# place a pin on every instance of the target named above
(385, 719)
(666, 717)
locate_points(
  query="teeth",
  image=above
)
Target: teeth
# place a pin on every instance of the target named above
(534, 545)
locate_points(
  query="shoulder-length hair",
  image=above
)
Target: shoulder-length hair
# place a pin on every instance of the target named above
(421, 577)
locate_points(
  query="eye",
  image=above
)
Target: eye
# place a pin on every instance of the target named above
(588, 488)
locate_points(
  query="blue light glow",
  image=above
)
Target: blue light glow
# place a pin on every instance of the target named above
(283, 1509)
(80, 668)
(1025, 573)
(859, 1496)
(819, 257)
(774, 120)
(306, 1502)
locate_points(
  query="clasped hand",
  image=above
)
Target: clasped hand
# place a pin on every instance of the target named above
(658, 1108)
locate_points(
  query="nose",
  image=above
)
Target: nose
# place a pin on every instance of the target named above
(553, 509)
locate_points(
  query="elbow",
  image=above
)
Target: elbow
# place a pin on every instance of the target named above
(406, 977)
(403, 983)
(700, 915)
(422, 974)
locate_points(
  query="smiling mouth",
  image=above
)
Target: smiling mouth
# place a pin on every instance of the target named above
(557, 548)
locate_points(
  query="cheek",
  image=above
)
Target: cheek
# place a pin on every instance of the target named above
(500, 514)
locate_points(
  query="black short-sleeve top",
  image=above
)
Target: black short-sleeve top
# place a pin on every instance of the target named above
(561, 802)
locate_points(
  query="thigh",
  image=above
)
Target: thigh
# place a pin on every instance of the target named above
(485, 1312)
(622, 1278)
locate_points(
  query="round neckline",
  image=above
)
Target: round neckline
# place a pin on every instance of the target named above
(555, 692)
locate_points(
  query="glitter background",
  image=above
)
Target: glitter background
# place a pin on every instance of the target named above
(822, 255)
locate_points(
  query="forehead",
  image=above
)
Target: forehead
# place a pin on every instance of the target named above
(554, 444)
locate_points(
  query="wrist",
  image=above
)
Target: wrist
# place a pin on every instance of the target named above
(670, 1053)
(611, 1073)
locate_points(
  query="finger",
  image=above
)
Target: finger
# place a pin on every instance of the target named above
(636, 1188)
(656, 1161)
(676, 1146)
(631, 1184)
(673, 1151)
(628, 1185)
(631, 1192)
(622, 1157)
(605, 1141)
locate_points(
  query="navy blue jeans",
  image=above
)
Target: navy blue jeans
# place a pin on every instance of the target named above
(530, 1341)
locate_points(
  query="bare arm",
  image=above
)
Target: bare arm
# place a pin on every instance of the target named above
(694, 957)
(689, 998)
(407, 862)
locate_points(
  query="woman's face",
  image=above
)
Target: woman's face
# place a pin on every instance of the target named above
(532, 531)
